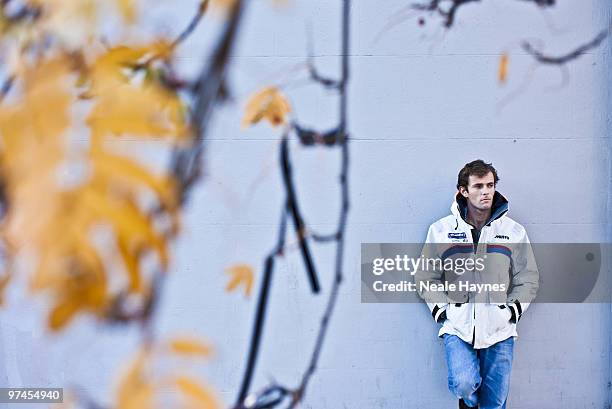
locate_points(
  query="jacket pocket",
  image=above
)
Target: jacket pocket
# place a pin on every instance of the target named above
(458, 315)
(498, 318)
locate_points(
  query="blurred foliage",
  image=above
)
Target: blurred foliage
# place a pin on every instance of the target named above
(112, 95)
(141, 386)
(87, 217)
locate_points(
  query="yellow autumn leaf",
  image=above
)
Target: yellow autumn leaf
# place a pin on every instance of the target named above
(131, 261)
(502, 71)
(197, 394)
(189, 346)
(242, 274)
(109, 69)
(34, 146)
(145, 111)
(84, 289)
(60, 245)
(127, 10)
(223, 5)
(32, 140)
(62, 313)
(124, 170)
(53, 19)
(42, 112)
(269, 104)
(127, 221)
(135, 390)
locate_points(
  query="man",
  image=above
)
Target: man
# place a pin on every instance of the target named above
(478, 326)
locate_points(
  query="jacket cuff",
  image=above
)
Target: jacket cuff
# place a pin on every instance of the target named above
(439, 313)
(516, 311)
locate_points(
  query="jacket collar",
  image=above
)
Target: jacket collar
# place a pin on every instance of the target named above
(498, 209)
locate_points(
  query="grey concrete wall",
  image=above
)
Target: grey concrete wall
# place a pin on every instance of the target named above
(422, 103)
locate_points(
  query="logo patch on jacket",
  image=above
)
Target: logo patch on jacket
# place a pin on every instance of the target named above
(501, 236)
(460, 235)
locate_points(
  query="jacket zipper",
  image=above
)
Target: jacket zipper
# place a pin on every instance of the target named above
(475, 246)
(474, 330)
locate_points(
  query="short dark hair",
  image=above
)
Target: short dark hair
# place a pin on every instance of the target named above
(478, 168)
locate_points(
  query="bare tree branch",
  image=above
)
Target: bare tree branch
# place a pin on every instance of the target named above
(6, 87)
(25, 13)
(448, 14)
(312, 70)
(298, 222)
(187, 162)
(324, 81)
(192, 24)
(309, 137)
(260, 315)
(344, 187)
(572, 55)
(447, 9)
(275, 394)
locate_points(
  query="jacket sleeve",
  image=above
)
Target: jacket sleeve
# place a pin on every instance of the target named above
(436, 300)
(524, 278)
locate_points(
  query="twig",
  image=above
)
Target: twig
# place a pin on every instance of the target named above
(260, 315)
(546, 59)
(119, 314)
(298, 222)
(324, 238)
(435, 6)
(542, 3)
(25, 12)
(6, 87)
(186, 162)
(312, 70)
(192, 24)
(324, 81)
(339, 237)
(309, 137)
(542, 59)
(333, 295)
(448, 15)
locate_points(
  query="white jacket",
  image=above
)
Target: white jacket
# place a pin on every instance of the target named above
(481, 318)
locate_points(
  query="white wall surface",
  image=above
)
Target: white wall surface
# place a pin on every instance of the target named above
(422, 104)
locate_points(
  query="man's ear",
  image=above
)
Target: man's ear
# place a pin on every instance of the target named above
(463, 191)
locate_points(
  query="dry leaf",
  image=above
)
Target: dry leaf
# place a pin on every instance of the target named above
(242, 274)
(196, 393)
(502, 72)
(189, 346)
(269, 104)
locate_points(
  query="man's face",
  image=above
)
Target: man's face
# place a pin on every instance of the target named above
(480, 191)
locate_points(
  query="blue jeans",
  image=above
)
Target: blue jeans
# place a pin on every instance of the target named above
(479, 376)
